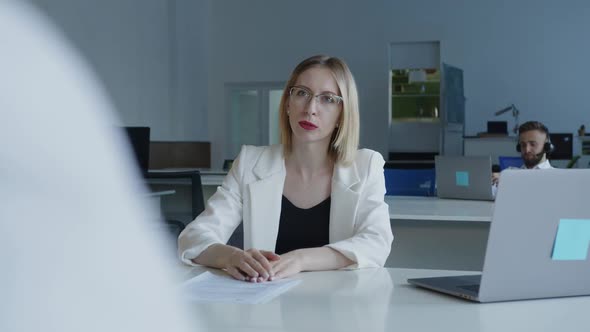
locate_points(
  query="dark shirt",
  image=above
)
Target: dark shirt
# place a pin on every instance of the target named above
(303, 228)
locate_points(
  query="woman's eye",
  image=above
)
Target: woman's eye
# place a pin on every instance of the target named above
(327, 99)
(302, 93)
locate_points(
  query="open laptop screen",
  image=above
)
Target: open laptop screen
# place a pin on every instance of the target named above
(464, 177)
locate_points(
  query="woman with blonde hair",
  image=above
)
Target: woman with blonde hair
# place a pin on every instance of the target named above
(314, 202)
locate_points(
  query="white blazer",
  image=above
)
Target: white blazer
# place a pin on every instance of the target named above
(252, 191)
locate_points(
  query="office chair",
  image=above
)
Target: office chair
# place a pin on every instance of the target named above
(227, 164)
(175, 227)
(237, 238)
(197, 201)
(409, 182)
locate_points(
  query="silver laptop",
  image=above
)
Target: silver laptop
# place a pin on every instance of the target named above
(538, 242)
(464, 177)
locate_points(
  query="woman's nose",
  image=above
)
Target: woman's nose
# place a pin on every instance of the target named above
(312, 106)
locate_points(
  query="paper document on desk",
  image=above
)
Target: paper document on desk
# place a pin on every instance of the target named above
(209, 287)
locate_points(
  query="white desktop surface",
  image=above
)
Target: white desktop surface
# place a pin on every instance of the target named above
(381, 300)
(434, 208)
(400, 207)
(155, 197)
(161, 193)
(209, 177)
(213, 177)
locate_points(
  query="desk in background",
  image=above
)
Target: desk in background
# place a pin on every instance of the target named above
(438, 233)
(381, 300)
(208, 177)
(434, 208)
(429, 232)
(179, 180)
(156, 197)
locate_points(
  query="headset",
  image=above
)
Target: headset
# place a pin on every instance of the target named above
(548, 147)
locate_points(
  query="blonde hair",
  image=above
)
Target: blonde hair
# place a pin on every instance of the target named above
(345, 139)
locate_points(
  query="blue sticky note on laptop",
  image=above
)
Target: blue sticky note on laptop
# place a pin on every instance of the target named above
(462, 178)
(572, 240)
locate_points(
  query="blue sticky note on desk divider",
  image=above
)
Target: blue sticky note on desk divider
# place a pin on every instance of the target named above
(572, 240)
(462, 178)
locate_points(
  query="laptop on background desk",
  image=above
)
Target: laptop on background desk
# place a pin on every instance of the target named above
(538, 242)
(462, 177)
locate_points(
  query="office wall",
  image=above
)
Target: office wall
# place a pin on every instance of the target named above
(530, 53)
(165, 63)
(262, 41)
(151, 56)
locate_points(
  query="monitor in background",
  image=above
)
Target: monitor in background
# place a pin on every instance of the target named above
(563, 146)
(498, 127)
(139, 138)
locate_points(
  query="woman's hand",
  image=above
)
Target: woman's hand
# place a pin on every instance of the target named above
(251, 265)
(289, 264)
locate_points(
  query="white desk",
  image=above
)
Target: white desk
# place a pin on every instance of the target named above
(400, 207)
(438, 233)
(156, 197)
(190, 189)
(158, 194)
(209, 177)
(212, 177)
(381, 300)
(434, 208)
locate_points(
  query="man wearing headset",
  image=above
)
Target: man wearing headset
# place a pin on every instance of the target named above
(534, 145)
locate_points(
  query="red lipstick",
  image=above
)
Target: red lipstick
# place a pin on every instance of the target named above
(307, 125)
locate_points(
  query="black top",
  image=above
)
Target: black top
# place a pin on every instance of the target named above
(303, 228)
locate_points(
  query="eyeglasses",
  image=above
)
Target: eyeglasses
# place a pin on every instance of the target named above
(301, 96)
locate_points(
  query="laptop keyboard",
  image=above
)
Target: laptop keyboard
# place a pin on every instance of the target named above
(472, 288)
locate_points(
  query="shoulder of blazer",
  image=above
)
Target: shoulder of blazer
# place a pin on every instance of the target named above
(355, 174)
(367, 159)
(262, 160)
(368, 162)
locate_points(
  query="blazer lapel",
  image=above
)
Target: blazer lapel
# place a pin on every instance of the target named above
(344, 202)
(266, 196)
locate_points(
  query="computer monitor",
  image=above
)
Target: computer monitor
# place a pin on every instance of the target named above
(139, 138)
(498, 127)
(563, 146)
